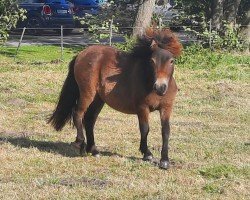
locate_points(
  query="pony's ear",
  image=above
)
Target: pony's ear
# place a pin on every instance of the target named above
(153, 45)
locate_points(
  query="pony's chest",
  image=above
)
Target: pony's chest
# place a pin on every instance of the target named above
(153, 101)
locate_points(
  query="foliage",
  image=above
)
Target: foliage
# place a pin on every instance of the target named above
(204, 9)
(194, 11)
(230, 39)
(194, 18)
(9, 16)
(99, 25)
(242, 12)
(215, 64)
(127, 45)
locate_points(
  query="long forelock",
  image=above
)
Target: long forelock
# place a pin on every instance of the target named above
(165, 39)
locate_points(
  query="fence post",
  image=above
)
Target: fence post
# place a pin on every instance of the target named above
(210, 34)
(20, 41)
(61, 42)
(160, 23)
(111, 32)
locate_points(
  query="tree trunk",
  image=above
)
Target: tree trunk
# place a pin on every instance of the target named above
(217, 14)
(231, 10)
(143, 17)
(246, 27)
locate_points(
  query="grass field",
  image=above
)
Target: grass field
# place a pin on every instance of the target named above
(209, 144)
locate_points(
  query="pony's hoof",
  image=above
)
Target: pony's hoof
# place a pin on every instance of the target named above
(97, 155)
(83, 149)
(93, 151)
(164, 164)
(148, 157)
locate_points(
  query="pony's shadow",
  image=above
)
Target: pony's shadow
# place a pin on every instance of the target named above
(62, 148)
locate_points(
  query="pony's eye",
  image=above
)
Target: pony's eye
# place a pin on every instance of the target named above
(152, 61)
(172, 61)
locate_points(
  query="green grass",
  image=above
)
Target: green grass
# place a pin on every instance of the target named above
(223, 171)
(37, 55)
(216, 65)
(209, 145)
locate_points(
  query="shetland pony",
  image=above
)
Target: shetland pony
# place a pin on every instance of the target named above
(136, 82)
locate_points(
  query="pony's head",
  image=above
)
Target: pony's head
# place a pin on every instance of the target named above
(165, 46)
(162, 62)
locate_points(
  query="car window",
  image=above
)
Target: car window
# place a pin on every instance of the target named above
(23, 1)
(31, 1)
(56, 1)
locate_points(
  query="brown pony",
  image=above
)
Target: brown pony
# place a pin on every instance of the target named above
(137, 82)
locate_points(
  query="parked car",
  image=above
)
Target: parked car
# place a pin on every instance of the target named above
(81, 7)
(46, 14)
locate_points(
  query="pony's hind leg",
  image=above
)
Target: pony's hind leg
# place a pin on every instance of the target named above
(86, 76)
(82, 106)
(77, 119)
(89, 122)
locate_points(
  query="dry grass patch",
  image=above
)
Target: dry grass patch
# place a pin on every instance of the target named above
(209, 145)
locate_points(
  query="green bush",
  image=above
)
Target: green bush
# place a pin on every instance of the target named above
(127, 45)
(9, 16)
(230, 39)
(194, 17)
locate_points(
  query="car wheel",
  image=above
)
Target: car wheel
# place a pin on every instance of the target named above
(33, 26)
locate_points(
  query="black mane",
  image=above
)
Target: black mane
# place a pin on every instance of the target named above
(142, 48)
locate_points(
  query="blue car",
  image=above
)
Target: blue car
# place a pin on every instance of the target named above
(46, 14)
(88, 2)
(81, 7)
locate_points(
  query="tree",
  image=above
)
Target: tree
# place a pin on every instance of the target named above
(224, 10)
(9, 16)
(231, 8)
(216, 10)
(244, 18)
(143, 16)
(217, 13)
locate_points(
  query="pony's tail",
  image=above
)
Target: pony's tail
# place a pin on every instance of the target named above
(67, 100)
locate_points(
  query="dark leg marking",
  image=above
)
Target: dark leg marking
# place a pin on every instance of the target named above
(144, 130)
(89, 122)
(164, 162)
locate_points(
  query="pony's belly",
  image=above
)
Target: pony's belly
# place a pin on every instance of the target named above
(119, 103)
(117, 98)
(123, 108)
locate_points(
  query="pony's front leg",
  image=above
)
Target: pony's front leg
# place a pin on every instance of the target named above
(144, 130)
(165, 131)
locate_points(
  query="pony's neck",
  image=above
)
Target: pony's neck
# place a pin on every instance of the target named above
(142, 50)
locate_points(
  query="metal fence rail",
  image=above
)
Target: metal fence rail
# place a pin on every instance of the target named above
(84, 38)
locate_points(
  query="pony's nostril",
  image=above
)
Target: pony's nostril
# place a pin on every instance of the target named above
(163, 87)
(160, 89)
(154, 87)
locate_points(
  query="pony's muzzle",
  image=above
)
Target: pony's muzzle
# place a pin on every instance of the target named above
(160, 89)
